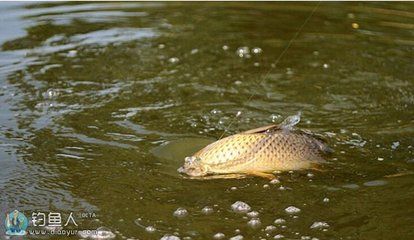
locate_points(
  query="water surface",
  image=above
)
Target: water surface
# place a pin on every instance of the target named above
(101, 102)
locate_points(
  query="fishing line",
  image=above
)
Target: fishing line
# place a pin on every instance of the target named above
(276, 62)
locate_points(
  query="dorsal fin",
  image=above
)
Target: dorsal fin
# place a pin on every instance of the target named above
(290, 122)
(262, 129)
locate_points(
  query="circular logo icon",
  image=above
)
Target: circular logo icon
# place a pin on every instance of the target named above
(16, 223)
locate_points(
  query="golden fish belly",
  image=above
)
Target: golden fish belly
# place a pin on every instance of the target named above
(261, 152)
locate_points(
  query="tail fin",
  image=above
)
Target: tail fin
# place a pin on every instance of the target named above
(323, 147)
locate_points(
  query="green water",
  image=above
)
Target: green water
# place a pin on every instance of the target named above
(101, 102)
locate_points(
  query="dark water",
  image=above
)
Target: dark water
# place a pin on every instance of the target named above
(100, 103)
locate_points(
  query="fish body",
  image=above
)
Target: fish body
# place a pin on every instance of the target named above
(266, 149)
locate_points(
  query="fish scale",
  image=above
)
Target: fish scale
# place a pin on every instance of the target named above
(228, 149)
(259, 152)
(265, 149)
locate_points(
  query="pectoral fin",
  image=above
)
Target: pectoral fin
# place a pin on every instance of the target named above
(317, 167)
(218, 176)
(262, 174)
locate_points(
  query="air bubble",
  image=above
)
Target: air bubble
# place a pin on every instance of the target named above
(254, 223)
(395, 145)
(279, 221)
(240, 207)
(274, 181)
(243, 52)
(215, 111)
(207, 210)
(170, 237)
(180, 212)
(219, 236)
(150, 229)
(51, 93)
(319, 225)
(275, 117)
(238, 237)
(173, 60)
(257, 50)
(292, 210)
(253, 214)
(270, 228)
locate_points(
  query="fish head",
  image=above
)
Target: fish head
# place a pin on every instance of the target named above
(193, 167)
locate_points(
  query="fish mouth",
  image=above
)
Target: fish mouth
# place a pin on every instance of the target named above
(181, 170)
(192, 167)
(192, 171)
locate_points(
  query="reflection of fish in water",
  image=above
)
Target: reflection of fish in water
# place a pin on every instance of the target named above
(258, 152)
